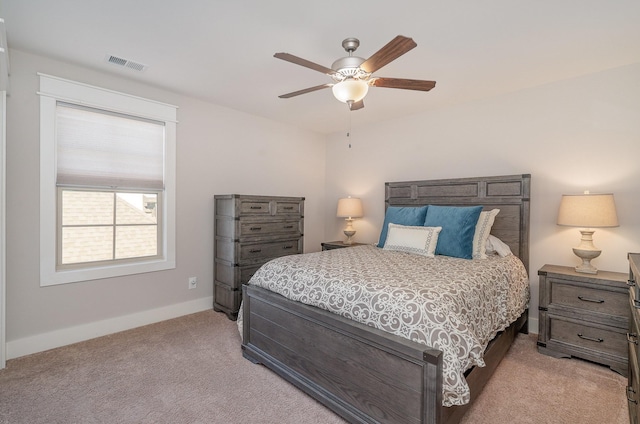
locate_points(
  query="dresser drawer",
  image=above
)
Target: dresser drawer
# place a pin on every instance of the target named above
(567, 294)
(289, 208)
(226, 299)
(246, 272)
(234, 276)
(292, 227)
(586, 337)
(254, 207)
(261, 251)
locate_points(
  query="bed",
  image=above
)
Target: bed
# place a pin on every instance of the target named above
(368, 375)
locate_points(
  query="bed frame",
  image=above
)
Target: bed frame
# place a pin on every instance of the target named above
(367, 375)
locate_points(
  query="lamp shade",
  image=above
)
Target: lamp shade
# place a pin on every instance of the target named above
(350, 90)
(588, 211)
(349, 207)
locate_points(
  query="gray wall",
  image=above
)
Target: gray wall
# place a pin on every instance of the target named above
(218, 151)
(582, 133)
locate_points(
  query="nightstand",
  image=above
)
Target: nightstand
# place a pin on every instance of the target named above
(584, 315)
(330, 245)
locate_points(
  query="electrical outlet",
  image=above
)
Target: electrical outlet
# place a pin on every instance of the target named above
(193, 282)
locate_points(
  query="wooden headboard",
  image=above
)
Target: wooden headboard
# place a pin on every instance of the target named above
(509, 193)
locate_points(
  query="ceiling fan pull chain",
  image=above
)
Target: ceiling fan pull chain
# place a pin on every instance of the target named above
(349, 131)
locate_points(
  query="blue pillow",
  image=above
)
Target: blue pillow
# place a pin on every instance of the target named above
(401, 215)
(458, 227)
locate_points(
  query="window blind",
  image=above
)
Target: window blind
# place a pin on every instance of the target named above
(97, 148)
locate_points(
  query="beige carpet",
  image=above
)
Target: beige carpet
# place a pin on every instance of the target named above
(190, 370)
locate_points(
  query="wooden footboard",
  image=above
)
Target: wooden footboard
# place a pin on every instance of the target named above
(363, 374)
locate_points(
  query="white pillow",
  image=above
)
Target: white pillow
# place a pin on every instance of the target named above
(483, 229)
(418, 240)
(495, 245)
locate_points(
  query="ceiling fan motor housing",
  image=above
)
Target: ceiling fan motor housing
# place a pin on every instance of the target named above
(348, 66)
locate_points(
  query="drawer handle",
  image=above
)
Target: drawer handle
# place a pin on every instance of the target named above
(255, 207)
(593, 339)
(255, 228)
(586, 299)
(288, 226)
(630, 396)
(287, 247)
(288, 208)
(632, 338)
(631, 283)
(255, 250)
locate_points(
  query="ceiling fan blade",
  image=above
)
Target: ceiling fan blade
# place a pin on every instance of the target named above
(393, 50)
(303, 62)
(356, 105)
(405, 84)
(304, 91)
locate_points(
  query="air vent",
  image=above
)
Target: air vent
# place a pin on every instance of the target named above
(126, 63)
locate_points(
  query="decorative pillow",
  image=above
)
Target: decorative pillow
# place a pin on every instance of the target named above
(495, 245)
(402, 216)
(458, 228)
(483, 229)
(418, 240)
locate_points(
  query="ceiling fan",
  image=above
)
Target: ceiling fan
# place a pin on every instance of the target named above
(352, 75)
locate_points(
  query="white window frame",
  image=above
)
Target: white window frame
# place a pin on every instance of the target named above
(54, 89)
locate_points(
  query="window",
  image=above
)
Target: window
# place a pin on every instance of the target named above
(106, 226)
(107, 183)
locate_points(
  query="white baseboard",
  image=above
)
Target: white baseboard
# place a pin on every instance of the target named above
(70, 335)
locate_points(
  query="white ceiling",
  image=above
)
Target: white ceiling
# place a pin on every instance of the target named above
(222, 51)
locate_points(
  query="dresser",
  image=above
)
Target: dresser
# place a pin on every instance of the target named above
(633, 389)
(249, 231)
(584, 315)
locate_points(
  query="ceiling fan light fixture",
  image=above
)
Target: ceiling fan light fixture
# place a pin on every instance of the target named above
(350, 90)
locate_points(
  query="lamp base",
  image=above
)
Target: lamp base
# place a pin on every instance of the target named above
(349, 234)
(586, 268)
(586, 251)
(349, 231)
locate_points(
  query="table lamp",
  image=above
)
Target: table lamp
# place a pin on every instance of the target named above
(349, 208)
(587, 211)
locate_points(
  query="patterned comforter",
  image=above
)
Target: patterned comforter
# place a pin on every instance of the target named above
(454, 305)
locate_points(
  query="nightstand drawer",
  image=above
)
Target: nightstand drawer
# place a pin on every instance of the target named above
(566, 294)
(588, 337)
(633, 391)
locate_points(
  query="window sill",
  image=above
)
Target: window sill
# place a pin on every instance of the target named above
(52, 278)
